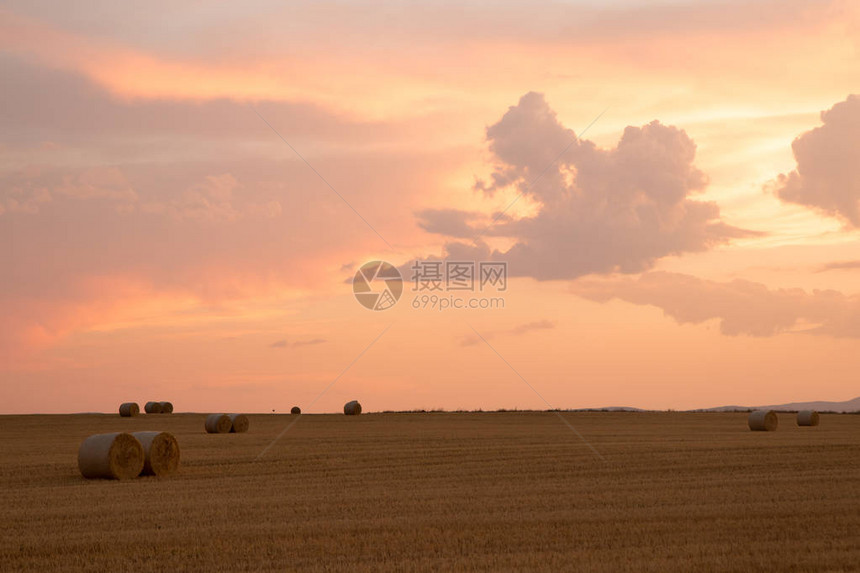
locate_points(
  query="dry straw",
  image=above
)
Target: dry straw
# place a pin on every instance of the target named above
(161, 453)
(239, 423)
(153, 408)
(763, 421)
(352, 408)
(166, 407)
(295, 410)
(129, 409)
(218, 423)
(111, 456)
(807, 418)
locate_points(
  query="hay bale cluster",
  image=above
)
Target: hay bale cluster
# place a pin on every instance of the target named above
(767, 420)
(158, 408)
(218, 424)
(124, 455)
(227, 423)
(121, 455)
(131, 409)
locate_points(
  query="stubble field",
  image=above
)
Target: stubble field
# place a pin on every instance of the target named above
(441, 491)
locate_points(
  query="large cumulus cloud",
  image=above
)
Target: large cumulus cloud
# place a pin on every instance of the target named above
(827, 177)
(599, 210)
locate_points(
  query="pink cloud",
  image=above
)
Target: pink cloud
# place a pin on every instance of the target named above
(827, 177)
(741, 307)
(600, 210)
(519, 330)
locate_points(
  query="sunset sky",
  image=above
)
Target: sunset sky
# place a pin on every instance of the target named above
(161, 237)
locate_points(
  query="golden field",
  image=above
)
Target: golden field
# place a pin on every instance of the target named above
(441, 491)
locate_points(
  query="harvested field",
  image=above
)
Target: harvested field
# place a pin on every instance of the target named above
(440, 491)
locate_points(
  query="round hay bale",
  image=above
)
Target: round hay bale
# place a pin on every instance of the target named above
(352, 408)
(111, 456)
(239, 423)
(763, 421)
(161, 453)
(218, 423)
(166, 407)
(807, 418)
(129, 409)
(295, 410)
(153, 408)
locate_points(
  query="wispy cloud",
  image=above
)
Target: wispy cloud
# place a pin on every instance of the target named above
(742, 307)
(312, 342)
(472, 339)
(286, 344)
(839, 266)
(531, 326)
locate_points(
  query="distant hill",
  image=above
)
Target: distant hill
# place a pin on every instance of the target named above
(821, 406)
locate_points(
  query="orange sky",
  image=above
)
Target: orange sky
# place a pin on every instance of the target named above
(160, 241)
